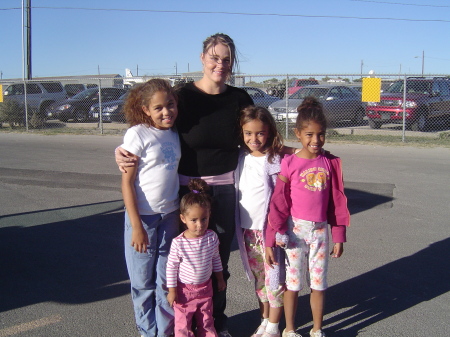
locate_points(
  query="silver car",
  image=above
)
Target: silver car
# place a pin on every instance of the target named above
(340, 103)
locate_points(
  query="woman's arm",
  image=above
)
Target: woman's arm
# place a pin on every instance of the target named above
(139, 237)
(124, 159)
(286, 150)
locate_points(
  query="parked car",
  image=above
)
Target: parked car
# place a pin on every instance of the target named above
(40, 95)
(340, 103)
(300, 83)
(277, 90)
(356, 87)
(426, 99)
(74, 88)
(77, 107)
(259, 97)
(112, 111)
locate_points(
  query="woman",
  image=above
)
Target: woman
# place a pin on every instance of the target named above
(208, 114)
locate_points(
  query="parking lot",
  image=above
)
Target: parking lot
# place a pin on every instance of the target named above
(62, 269)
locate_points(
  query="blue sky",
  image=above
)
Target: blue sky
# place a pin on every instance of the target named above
(294, 36)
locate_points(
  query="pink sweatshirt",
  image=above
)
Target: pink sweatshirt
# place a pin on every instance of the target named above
(331, 208)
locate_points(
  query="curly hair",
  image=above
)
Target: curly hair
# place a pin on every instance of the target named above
(198, 195)
(274, 142)
(140, 95)
(310, 110)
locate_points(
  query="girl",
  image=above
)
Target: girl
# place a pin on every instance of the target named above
(150, 193)
(308, 195)
(255, 178)
(194, 256)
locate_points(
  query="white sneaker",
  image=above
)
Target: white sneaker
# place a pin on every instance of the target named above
(318, 333)
(259, 332)
(290, 334)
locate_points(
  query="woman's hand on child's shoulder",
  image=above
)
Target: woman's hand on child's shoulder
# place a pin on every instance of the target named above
(124, 159)
(338, 250)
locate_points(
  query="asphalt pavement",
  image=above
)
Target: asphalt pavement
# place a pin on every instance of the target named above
(62, 271)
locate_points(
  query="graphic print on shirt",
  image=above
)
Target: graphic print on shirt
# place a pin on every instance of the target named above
(167, 148)
(315, 178)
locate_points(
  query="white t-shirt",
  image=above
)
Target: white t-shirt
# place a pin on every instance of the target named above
(251, 193)
(156, 181)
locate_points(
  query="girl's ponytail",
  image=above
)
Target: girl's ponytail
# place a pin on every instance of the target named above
(198, 195)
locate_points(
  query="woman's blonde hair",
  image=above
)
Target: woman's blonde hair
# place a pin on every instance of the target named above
(220, 38)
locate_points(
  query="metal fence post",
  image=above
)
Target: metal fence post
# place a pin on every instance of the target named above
(287, 105)
(26, 104)
(404, 109)
(100, 112)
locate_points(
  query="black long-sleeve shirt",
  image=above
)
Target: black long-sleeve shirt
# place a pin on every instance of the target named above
(209, 130)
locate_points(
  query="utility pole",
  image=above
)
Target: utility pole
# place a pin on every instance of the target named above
(423, 60)
(29, 74)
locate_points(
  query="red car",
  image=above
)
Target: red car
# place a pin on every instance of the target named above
(426, 99)
(300, 83)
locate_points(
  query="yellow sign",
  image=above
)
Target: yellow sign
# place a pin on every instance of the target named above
(1, 93)
(371, 88)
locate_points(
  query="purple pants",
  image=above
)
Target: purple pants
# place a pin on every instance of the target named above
(194, 300)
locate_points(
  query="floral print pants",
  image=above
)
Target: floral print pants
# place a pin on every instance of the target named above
(254, 246)
(307, 253)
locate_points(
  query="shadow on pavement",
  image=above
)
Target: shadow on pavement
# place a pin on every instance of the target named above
(73, 261)
(372, 296)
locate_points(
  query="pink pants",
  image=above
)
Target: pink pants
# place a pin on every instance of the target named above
(194, 300)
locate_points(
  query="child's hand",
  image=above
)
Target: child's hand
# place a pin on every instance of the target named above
(172, 297)
(270, 258)
(139, 240)
(124, 159)
(338, 250)
(221, 285)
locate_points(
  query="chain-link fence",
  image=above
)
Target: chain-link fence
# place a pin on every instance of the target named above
(383, 105)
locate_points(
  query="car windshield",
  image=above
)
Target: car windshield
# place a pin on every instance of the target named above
(85, 94)
(305, 92)
(422, 87)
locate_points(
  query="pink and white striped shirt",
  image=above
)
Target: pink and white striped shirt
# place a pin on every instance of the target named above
(191, 261)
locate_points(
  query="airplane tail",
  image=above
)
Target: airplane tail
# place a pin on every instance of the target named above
(128, 73)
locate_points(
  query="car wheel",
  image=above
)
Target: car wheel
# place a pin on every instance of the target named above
(80, 116)
(374, 124)
(420, 124)
(359, 117)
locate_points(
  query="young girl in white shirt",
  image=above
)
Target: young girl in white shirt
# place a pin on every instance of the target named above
(150, 193)
(255, 176)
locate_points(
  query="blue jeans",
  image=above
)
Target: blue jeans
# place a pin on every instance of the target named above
(222, 221)
(147, 272)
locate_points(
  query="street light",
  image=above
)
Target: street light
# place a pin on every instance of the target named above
(423, 60)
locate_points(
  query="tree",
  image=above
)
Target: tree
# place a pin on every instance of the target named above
(271, 81)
